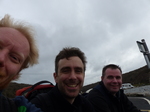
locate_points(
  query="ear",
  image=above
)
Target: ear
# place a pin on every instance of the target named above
(55, 77)
(101, 78)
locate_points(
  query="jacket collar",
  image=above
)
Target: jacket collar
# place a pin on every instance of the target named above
(60, 96)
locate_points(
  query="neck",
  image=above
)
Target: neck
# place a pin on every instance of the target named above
(70, 100)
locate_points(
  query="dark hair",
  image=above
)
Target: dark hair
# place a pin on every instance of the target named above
(112, 66)
(68, 52)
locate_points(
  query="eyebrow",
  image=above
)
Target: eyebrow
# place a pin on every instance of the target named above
(67, 67)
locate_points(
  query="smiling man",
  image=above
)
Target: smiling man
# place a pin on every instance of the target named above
(107, 96)
(14, 49)
(17, 52)
(70, 65)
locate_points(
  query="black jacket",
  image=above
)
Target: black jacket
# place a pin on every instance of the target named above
(7, 105)
(53, 101)
(103, 101)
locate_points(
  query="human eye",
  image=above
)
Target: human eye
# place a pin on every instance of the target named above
(15, 58)
(110, 77)
(78, 70)
(118, 77)
(65, 70)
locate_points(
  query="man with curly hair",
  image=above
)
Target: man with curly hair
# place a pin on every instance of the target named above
(17, 52)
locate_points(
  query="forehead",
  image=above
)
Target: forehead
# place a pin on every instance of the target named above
(113, 72)
(71, 62)
(14, 40)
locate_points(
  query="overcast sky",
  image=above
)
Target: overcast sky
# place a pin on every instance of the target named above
(105, 30)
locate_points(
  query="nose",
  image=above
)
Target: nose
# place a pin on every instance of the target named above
(2, 59)
(114, 79)
(72, 75)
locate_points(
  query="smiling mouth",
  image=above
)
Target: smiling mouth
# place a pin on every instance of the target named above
(116, 86)
(72, 85)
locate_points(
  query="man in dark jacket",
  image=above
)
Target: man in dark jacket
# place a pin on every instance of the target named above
(70, 65)
(107, 96)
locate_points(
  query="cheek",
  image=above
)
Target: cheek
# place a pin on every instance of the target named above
(80, 77)
(15, 69)
(107, 82)
(120, 81)
(11, 69)
(60, 78)
(56, 79)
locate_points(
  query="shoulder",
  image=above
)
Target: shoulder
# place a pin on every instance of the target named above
(45, 98)
(39, 99)
(45, 101)
(42, 97)
(123, 96)
(97, 91)
(86, 105)
(85, 101)
(98, 96)
(22, 103)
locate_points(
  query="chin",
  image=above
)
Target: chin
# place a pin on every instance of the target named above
(114, 91)
(72, 95)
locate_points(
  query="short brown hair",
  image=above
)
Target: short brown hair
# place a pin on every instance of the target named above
(112, 66)
(69, 52)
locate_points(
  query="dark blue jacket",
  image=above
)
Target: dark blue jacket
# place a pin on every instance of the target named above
(17, 104)
(103, 101)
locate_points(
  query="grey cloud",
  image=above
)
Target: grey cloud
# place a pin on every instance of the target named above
(106, 31)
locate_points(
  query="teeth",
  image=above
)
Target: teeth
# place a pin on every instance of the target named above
(72, 85)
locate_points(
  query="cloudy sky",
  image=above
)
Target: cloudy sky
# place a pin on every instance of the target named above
(105, 30)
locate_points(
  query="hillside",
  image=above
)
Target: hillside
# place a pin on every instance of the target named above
(11, 89)
(137, 77)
